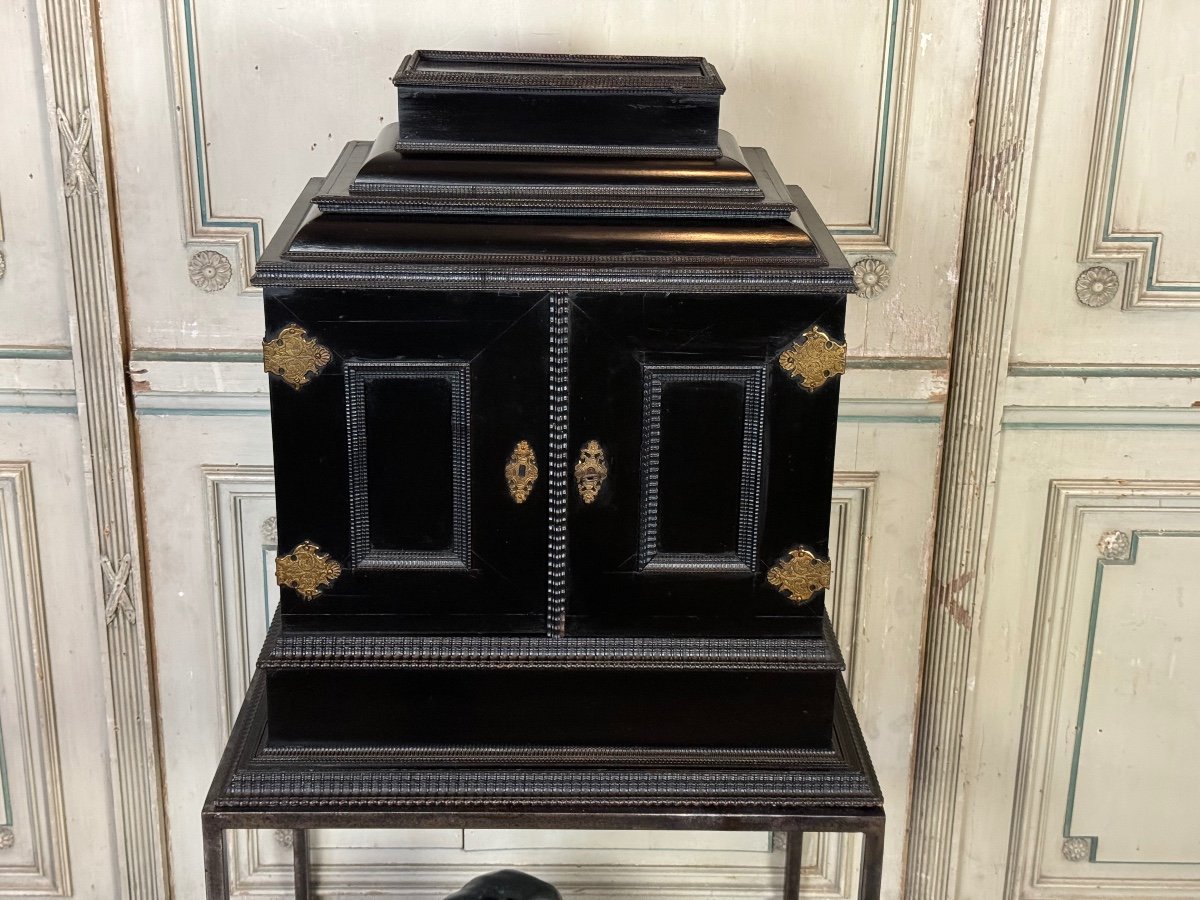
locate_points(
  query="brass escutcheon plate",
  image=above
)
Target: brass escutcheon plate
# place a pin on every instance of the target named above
(800, 574)
(590, 471)
(306, 570)
(294, 356)
(521, 471)
(814, 359)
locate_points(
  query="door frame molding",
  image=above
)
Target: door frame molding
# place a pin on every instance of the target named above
(76, 112)
(1005, 119)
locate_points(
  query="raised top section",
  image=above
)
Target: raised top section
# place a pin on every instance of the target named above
(458, 69)
(455, 102)
(533, 172)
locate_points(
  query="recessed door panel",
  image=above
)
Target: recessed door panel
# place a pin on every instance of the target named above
(701, 478)
(408, 424)
(718, 463)
(391, 459)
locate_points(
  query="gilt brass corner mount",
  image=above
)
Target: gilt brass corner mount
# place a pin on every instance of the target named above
(306, 570)
(800, 574)
(590, 471)
(294, 356)
(521, 471)
(814, 359)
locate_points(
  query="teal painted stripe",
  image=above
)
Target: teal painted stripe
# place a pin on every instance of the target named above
(902, 363)
(1072, 371)
(902, 420)
(8, 817)
(38, 410)
(35, 352)
(198, 141)
(884, 127)
(1151, 283)
(203, 355)
(1099, 426)
(1081, 715)
(1085, 683)
(268, 560)
(161, 411)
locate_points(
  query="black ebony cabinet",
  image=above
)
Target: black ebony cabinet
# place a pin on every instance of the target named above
(692, 459)
(554, 384)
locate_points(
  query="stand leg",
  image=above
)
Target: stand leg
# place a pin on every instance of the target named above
(791, 865)
(300, 863)
(216, 872)
(870, 878)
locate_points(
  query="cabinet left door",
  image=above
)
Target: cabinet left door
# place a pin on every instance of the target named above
(409, 430)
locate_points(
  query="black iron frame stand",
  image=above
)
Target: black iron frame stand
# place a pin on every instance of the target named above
(867, 821)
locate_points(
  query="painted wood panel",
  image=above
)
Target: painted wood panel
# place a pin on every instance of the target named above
(33, 831)
(1078, 751)
(54, 794)
(1111, 243)
(32, 278)
(57, 822)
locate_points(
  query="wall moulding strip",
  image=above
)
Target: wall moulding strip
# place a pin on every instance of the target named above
(76, 113)
(1004, 118)
(29, 743)
(1101, 240)
(202, 224)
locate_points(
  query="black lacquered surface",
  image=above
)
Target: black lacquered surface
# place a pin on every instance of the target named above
(445, 545)
(621, 707)
(713, 476)
(557, 103)
(565, 256)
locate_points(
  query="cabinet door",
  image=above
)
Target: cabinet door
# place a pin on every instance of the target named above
(710, 462)
(393, 460)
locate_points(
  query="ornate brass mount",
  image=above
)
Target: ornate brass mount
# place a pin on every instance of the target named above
(294, 356)
(814, 359)
(521, 472)
(590, 471)
(800, 575)
(306, 570)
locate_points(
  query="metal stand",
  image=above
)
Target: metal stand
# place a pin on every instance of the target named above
(870, 823)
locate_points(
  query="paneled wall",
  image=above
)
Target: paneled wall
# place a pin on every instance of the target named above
(1077, 768)
(1012, 179)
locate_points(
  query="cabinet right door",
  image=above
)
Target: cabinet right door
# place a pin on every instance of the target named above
(701, 466)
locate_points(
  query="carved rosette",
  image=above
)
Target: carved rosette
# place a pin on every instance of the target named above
(306, 570)
(7, 838)
(521, 471)
(871, 277)
(1077, 849)
(209, 270)
(294, 356)
(285, 838)
(1114, 545)
(800, 574)
(590, 471)
(1096, 286)
(814, 359)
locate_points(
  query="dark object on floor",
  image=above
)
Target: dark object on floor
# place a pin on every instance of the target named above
(507, 884)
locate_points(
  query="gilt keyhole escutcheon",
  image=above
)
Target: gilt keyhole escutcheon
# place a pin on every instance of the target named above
(590, 471)
(521, 471)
